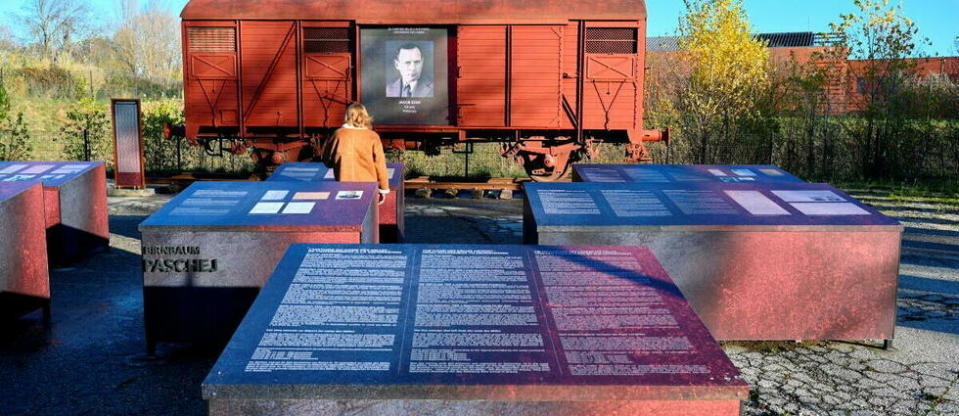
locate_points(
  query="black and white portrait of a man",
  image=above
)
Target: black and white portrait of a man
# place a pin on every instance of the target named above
(409, 59)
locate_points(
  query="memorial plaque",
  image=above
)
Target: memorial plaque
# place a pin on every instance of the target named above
(392, 211)
(640, 173)
(24, 276)
(759, 261)
(128, 144)
(75, 205)
(416, 329)
(207, 252)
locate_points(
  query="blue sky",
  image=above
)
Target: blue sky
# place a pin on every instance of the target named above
(938, 20)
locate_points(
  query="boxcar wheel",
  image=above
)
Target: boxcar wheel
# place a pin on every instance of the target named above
(538, 171)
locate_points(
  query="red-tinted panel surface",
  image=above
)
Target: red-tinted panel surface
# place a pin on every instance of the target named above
(128, 144)
(23, 251)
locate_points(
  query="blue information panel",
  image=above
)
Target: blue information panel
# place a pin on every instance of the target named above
(50, 173)
(682, 173)
(270, 204)
(696, 203)
(358, 316)
(316, 172)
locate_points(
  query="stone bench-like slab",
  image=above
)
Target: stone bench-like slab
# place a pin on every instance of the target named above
(75, 205)
(471, 330)
(642, 173)
(208, 251)
(24, 274)
(760, 261)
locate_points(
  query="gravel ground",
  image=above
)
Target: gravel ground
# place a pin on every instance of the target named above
(90, 360)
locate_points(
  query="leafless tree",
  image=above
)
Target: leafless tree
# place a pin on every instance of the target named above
(54, 25)
(7, 41)
(148, 41)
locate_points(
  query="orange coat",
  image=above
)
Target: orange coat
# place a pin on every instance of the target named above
(356, 155)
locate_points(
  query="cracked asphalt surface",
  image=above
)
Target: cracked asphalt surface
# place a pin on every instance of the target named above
(90, 360)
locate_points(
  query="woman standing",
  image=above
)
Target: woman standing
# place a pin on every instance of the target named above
(355, 152)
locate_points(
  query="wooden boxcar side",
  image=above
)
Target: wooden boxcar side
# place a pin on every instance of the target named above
(276, 83)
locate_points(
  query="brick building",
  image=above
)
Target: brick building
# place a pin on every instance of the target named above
(847, 88)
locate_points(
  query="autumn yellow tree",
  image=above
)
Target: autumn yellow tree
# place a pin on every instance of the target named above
(727, 67)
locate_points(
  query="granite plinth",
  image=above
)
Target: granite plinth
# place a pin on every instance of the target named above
(788, 261)
(454, 330)
(24, 274)
(75, 196)
(391, 211)
(207, 252)
(641, 173)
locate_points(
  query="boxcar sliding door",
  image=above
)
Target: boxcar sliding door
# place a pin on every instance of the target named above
(612, 94)
(327, 72)
(211, 96)
(536, 54)
(268, 62)
(481, 76)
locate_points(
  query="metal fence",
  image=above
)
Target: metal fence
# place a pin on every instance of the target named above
(836, 153)
(162, 157)
(826, 154)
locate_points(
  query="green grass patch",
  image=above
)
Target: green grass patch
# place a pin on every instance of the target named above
(934, 398)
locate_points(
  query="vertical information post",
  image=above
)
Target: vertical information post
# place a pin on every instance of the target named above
(127, 144)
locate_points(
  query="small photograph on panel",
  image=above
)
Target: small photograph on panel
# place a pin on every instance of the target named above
(349, 195)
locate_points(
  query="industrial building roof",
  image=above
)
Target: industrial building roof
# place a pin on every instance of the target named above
(774, 40)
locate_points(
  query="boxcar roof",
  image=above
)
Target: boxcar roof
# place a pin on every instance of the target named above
(417, 11)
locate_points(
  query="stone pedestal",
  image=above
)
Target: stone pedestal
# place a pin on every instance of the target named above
(24, 276)
(391, 212)
(756, 261)
(472, 330)
(208, 251)
(640, 173)
(75, 201)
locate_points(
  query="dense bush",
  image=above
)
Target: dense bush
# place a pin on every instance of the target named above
(120, 85)
(85, 134)
(15, 144)
(50, 82)
(161, 154)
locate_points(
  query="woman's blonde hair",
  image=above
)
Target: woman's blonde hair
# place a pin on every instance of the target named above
(357, 116)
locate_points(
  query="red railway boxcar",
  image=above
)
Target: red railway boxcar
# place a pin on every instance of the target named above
(547, 78)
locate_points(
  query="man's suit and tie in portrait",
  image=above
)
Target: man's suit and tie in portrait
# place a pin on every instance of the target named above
(408, 61)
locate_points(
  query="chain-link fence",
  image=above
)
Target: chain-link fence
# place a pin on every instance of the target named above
(830, 152)
(843, 149)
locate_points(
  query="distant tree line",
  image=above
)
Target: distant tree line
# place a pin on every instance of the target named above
(65, 51)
